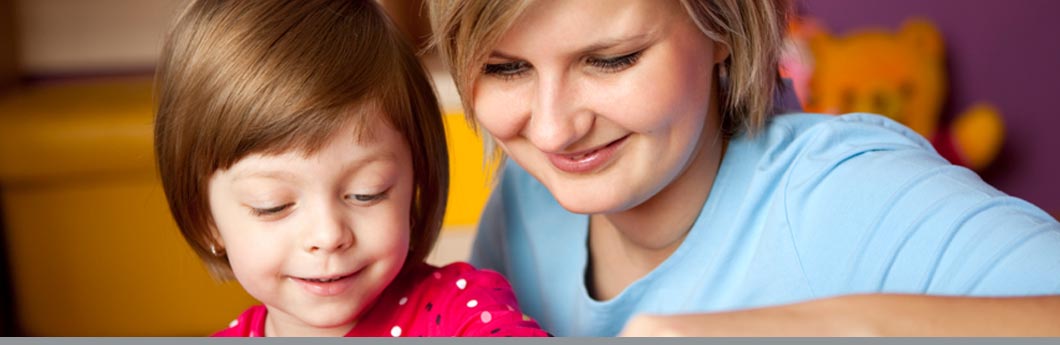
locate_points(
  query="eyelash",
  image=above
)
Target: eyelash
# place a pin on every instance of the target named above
(368, 199)
(515, 69)
(507, 70)
(615, 64)
(265, 212)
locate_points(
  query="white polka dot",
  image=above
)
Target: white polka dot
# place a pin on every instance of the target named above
(486, 317)
(461, 283)
(510, 308)
(233, 323)
(472, 303)
(403, 301)
(396, 331)
(437, 275)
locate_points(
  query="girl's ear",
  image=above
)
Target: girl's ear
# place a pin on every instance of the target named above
(216, 242)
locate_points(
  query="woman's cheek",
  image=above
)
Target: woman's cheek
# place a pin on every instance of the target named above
(502, 113)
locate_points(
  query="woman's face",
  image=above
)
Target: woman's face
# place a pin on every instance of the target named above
(603, 101)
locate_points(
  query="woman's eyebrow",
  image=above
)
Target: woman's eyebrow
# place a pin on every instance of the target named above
(614, 41)
(503, 55)
(597, 46)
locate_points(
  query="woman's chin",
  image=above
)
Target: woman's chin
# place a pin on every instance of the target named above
(591, 201)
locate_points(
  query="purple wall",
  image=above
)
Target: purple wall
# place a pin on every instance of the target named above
(1006, 53)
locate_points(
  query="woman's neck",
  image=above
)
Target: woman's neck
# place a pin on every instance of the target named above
(627, 245)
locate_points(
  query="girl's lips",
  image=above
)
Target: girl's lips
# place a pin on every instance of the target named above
(586, 161)
(326, 286)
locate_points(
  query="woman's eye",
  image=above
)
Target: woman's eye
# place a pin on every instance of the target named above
(507, 70)
(268, 211)
(614, 64)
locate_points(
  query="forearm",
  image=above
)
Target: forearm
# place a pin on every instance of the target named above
(918, 315)
(869, 315)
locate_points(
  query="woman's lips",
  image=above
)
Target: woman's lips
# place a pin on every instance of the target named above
(586, 161)
(326, 286)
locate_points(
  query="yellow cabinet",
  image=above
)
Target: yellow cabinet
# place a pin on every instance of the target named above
(91, 246)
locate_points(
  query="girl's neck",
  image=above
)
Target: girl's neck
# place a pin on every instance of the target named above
(278, 324)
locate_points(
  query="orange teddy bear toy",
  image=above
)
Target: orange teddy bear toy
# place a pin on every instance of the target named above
(900, 75)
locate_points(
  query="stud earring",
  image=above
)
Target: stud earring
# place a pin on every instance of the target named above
(216, 251)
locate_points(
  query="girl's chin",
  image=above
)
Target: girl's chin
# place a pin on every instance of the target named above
(331, 328)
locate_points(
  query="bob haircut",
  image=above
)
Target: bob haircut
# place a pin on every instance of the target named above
(239, 77)
(466, 30)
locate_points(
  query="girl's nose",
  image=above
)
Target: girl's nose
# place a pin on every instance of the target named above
(332, 232)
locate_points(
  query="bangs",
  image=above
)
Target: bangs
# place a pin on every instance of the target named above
(307, 133)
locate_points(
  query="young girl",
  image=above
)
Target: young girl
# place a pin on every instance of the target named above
(302, 152)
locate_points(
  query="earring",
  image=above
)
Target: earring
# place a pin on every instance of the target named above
(216, 251)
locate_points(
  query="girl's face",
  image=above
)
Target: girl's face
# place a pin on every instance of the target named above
(603, 101)
(317, 238)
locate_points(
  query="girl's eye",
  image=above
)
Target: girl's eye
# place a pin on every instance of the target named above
(367, 198)
(614, 64)
(507, 70)
(268, 211)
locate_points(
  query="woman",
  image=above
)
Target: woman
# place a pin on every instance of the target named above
(648, 177)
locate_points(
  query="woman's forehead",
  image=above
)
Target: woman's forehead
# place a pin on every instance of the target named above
(571, 26)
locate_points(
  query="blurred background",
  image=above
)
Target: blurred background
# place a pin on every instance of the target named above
(89, 248)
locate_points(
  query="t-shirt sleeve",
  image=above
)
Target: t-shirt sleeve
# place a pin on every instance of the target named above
(480, 303)
(872, 208)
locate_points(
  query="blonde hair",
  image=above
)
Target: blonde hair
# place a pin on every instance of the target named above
(466, 30)
(238, 77)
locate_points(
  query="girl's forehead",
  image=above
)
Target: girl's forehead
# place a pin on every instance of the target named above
(351, 142)
(307, 133)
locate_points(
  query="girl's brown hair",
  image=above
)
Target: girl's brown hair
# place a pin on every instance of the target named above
(238, 77)
(466, 30)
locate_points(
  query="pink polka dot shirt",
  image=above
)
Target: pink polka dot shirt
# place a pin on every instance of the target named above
(427, 301)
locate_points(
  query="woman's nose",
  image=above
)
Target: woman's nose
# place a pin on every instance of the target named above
(556, 118)
(331, 232)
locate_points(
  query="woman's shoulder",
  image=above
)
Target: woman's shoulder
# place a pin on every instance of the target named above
(809, 142)
(848, 130)
(870, 206)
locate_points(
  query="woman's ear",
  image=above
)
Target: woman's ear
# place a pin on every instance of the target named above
(721, 51)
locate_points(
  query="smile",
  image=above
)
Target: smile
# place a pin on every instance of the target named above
(588, 160)
(326, 286)
(323, 280)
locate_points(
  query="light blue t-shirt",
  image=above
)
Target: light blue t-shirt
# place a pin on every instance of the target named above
(813, 206)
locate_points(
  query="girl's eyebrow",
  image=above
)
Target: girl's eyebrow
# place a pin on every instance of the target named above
(384, 157)
(286, 175)
(268, 174)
